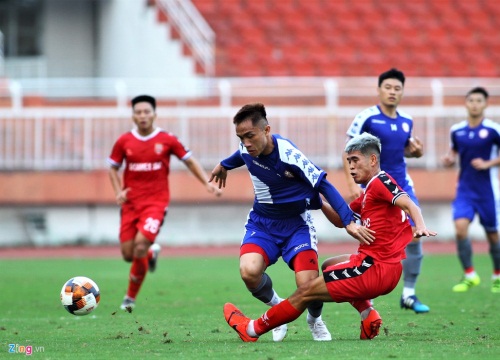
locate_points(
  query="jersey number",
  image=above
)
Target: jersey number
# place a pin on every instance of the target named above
(152, 225)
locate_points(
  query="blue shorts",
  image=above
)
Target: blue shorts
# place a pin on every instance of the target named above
(285, 237)
(487, 209)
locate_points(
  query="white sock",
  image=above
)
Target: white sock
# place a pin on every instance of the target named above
(364, 314)
(251, 330)
(470, 275)
(407, 292)
(275, 300)
(312, 319)
(494, 277)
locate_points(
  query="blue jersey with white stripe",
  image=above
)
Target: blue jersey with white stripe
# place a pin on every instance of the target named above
(394, 134)
(286, 182)
(483, 142)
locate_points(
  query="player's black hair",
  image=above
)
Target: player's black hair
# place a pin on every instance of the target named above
(366, 143)
(391, 74)
(256, 112)
(144, 98)
(478, 90)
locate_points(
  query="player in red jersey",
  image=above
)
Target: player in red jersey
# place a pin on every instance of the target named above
(144, 195)
(373, 271)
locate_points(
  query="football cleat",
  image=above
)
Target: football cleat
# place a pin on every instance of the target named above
(238, 322)
(279, 333)
(467, 283)
(319, 331)
(412, 303)
(155, 251)
(128, 304)
(370, 327)
(495, 286)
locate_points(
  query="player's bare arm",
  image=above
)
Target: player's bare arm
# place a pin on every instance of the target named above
(409, 207)
(481, 164)
(361, 233)
(219, 175)
(415, 148)
(449, 159)
(120, 194)
(195, 167)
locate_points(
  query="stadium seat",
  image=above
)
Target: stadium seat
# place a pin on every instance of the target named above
(430, 38)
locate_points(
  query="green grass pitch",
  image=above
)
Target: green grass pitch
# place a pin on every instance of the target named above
(179, 314)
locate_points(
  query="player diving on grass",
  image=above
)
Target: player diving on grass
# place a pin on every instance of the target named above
(287, 186)
(373, 271)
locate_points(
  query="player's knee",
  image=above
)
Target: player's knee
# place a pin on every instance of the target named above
(250, 276)
(141, 249)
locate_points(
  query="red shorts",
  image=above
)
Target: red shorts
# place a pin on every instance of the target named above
(361, 278)
(147, 219)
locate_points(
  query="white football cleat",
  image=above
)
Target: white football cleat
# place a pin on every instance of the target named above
(155, 249)
(319, 331)
(279, 333)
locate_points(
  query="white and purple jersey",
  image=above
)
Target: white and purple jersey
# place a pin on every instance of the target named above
(394, 134)
(286, 182)
(483, 142)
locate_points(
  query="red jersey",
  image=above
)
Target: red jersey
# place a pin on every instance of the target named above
(378, 212)
(147, 164)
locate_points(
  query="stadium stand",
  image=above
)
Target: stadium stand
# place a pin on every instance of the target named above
(354, 38)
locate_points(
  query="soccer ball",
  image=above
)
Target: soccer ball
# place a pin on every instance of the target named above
(80, 295)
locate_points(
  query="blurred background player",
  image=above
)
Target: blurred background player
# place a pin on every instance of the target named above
(373, 271)
(286, 185)
(144, 195)
(476, 142)
(394, 129)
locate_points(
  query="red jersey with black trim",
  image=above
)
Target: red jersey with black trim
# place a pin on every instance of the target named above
(147, 164)
(377, 211)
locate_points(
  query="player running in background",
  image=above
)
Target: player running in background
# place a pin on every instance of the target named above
(286, 185)
(373, 271)
(476, 142)
(394, 129)
(144, 195)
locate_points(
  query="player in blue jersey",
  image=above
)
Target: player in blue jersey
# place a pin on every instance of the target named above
(394, 129)
(287, 185)
(476, 142)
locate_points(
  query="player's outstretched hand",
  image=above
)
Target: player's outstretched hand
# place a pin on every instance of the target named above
(362, 234)
(219, 175)
(423, 232)
(214, 190)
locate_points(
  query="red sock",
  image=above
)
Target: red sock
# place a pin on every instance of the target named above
(138, 272)
(361, 305)
(278, 315)
(496, 272)
(469, 270)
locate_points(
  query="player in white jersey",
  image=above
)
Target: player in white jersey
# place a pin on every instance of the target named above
(476, 142)
(394, 129)
(287, 185)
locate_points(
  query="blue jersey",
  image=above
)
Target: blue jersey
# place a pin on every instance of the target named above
(394, 134)
(483, 142)
(286, 182)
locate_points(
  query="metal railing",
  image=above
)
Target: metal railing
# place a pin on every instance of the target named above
(81, 138)
(194, 31)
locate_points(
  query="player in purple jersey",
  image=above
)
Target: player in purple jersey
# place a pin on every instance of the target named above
(287, 185)
(394, 129)
(476, 142)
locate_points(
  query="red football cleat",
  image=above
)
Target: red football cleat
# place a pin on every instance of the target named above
(238, 322)
(370, 326)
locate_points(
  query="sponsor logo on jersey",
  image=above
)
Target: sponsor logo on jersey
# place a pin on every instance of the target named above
(145, 166)
(158, 148)
(288, 174)
(260, 165)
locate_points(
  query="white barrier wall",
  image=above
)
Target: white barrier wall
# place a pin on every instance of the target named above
(184, 225)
